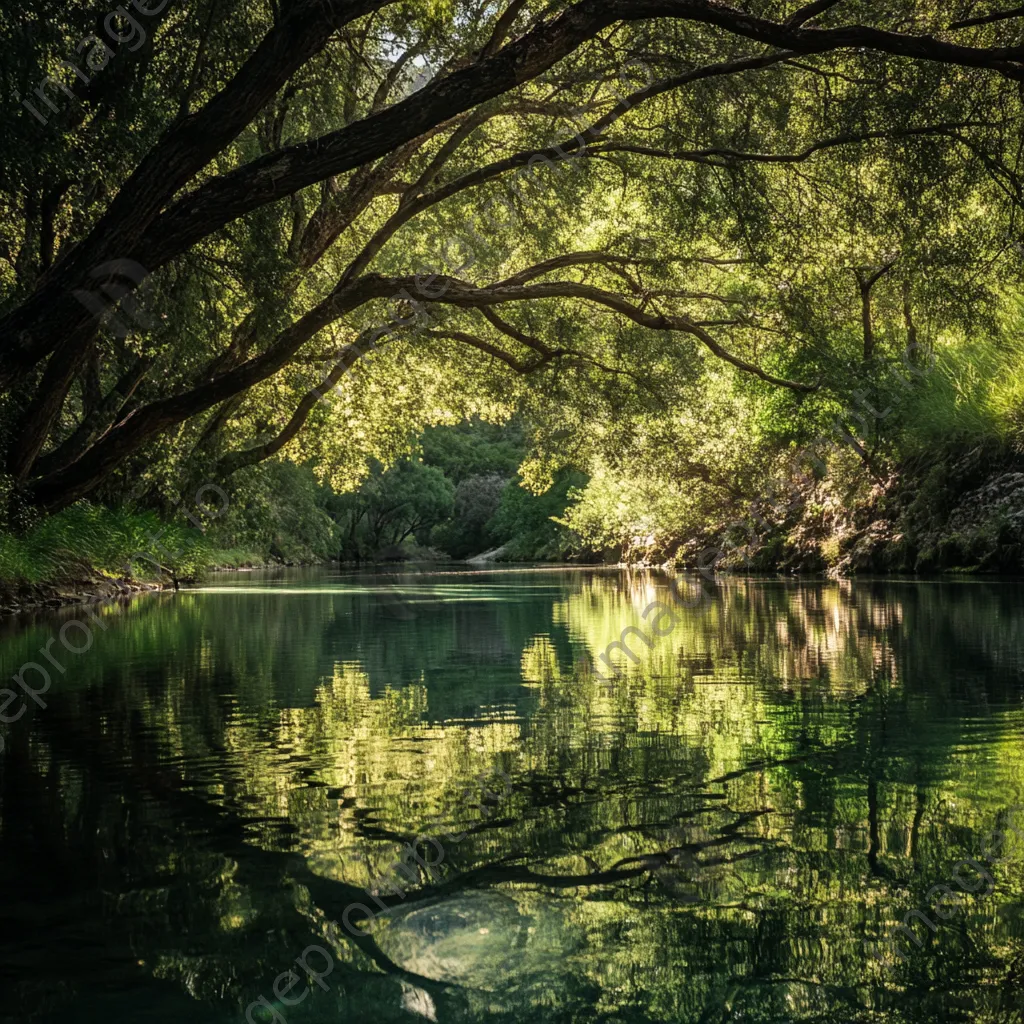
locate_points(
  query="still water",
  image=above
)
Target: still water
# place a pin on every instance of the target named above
(726, 832)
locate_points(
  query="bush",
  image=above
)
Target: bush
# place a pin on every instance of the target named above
(278, 509)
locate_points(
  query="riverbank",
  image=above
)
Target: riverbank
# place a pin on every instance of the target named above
(88, 586)
(962, 515)
(18, 597)
(89, 553)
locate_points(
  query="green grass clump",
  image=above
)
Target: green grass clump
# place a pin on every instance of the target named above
(973, 395)
(236, 558)
(112, 542)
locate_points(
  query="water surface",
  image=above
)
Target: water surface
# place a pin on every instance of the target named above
(724, 832)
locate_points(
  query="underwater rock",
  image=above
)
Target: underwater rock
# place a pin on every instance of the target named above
(482, 940)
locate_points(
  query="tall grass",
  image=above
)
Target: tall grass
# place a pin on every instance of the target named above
(973, 396)
(115, 543)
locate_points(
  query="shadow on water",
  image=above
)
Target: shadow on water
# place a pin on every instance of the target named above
(722, 833)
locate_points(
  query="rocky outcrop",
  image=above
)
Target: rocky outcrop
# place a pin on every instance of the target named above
(967, 516)
(984, 530)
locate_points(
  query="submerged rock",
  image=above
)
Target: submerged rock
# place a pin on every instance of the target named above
(482, 940)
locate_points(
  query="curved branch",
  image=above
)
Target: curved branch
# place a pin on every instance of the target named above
(721, 157)
(577, 145)
(460, 294)
(492, 350)
(129, 230)
(515, 334)
(502, 27)
(185, 148)
(988, 19)
(145, 423)
(380, 97)
(413, 204)
(234, 461)
(547, 356)
(99, 420)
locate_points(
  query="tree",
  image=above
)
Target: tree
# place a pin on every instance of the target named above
(283, 185)
(528, 525)
(393, 505)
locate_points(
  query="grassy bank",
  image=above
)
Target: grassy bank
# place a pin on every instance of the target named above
(114, 543)
(90, 551)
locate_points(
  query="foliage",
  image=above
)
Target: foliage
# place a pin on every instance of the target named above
(974, 393)
(86, 538)
(354, 257)
(477, 499)
(281, 510)
(392, 505)
(474, 448)
(528, 524)
(710, 235)
(463, 498)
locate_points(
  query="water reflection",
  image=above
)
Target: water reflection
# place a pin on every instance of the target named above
(715, 836)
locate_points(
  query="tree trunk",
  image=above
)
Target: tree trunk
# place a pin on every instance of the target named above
(908, 320)
(866, 280)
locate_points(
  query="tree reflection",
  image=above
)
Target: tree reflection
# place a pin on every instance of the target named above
(721, 834)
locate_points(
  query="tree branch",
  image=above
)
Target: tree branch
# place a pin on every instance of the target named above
(721, 157)
(229, 196)
(98, 421)
(866, 280)
(145, 423)
(188, 146)
(988, 19)
(27, 334)
(809, 11)
(502, 27)
(234, 461)
(493, 350)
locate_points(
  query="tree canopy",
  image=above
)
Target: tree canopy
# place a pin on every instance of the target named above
(312, 228)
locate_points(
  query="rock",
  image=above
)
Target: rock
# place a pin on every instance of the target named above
(480, 940)
(489, 556)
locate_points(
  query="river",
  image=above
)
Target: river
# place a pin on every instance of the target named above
(413, 791)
